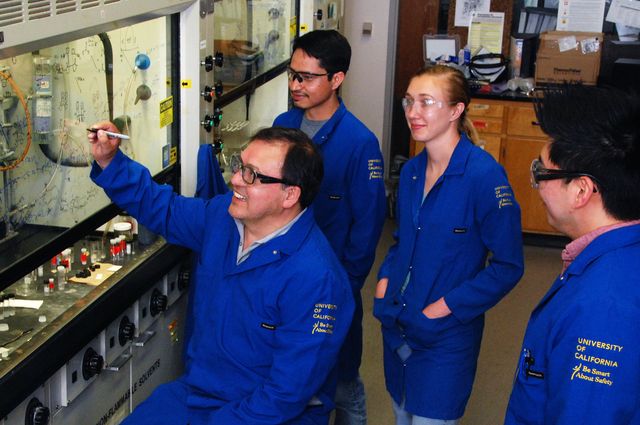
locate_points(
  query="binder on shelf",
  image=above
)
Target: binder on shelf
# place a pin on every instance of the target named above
(523, 55)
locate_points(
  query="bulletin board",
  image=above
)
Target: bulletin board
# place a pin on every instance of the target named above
(505, 6)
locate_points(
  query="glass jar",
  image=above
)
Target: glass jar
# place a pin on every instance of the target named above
(124, 228)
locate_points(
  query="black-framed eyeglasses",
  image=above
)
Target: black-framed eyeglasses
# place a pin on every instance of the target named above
(540, 173)
(249, 175)
(301, 77)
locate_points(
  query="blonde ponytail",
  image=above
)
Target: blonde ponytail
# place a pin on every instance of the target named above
(467, 127)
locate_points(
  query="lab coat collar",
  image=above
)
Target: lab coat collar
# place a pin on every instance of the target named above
(457, 166)
(272, 250)
(606, 242)
(614, 239)
(324, 134)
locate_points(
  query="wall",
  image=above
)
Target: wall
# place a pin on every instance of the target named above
(367, 90)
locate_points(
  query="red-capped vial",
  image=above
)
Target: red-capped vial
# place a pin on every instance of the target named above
(112, 248)
(54, 264)
(84, 255)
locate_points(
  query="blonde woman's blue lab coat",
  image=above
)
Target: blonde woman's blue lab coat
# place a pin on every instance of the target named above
(443, 244)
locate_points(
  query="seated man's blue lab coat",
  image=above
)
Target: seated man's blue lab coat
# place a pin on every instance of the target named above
(267, 331)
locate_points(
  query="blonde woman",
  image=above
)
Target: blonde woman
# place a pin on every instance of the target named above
(455, 211)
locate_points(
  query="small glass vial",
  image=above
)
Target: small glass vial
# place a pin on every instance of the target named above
(52, 285)
(121, 243)
(67, 256)
(54, 264)
(84, 255)
(62, 278)
(26, 286)
(112, 249)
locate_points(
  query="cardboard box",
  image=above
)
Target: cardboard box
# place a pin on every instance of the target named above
(568, 56)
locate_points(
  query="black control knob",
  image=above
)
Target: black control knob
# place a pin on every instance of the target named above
(217, 116)
(218, 59)
(207, 63)
(36, 413)
(211, 121)
(126, 331)
(207, 93)
(218, 88)
(318, 15)
(218, 145)
(210, 61)
(92, 364)
(157, 303)
(207, 123)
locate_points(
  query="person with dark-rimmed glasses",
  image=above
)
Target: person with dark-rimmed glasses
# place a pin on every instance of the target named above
(272, 306)
(579, 362)
(351, 206)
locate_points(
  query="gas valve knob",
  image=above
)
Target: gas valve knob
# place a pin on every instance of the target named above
(218, 145)
(126, 331)
(207, 93)
(211, 121)
(92, 364)
(210, 61)
(218, 59)
(207, 123)
(218, 89)
(158, 302)
(318, 15)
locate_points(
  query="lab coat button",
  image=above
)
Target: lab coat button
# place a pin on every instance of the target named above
(404, 305)
(275, 252)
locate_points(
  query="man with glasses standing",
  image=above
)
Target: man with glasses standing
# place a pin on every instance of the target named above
(272, 306)
(350, 208)
(579, 359)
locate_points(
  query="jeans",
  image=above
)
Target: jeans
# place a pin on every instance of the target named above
(405, 418)
(350, 403)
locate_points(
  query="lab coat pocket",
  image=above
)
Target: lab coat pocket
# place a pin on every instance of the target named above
(380, 312)
(529, 388)
(329, 204)
(456, 238)
(425, 331)
(259, 335)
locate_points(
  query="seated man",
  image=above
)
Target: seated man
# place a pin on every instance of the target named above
(272, 306)
(579, 362)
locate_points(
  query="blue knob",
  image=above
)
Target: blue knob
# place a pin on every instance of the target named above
(142, 61)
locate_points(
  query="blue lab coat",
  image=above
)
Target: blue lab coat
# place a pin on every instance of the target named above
(443, 243)
(350, 208)
(267, 331)
(580, 359)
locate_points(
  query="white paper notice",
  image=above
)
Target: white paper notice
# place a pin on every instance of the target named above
(464, 9)
(485, 31)
(580, 15)
(625, 12)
